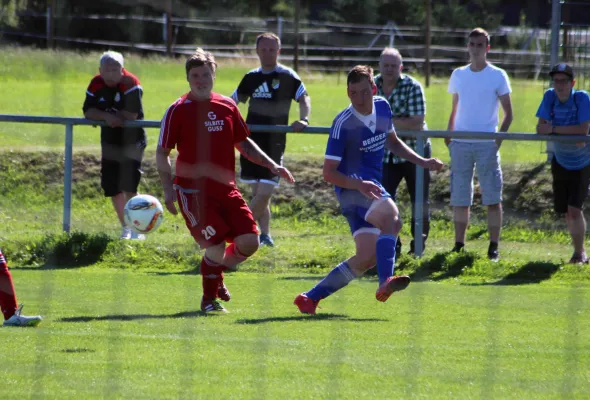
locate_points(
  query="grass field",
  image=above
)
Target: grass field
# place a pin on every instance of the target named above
(114, 334)
(122, 319)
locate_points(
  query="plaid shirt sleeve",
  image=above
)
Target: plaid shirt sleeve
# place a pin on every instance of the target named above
(416, 100)
(415, 104)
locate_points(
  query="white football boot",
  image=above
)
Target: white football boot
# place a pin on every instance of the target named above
(22, 320)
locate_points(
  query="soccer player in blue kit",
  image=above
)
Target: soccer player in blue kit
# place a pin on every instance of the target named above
(353, 163)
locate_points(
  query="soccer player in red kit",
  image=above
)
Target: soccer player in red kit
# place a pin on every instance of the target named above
(10, 310)
(205, 127)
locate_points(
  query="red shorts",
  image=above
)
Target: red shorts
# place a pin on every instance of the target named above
(212, 221)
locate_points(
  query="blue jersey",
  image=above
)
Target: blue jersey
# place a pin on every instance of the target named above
(358, 141)
(574, 111)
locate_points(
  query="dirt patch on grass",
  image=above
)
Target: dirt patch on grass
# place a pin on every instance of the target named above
(527, 188)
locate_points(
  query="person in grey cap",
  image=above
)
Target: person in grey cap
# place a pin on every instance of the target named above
(114, 95)
(566, 111)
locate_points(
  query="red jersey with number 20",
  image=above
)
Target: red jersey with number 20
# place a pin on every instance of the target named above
(204, 132)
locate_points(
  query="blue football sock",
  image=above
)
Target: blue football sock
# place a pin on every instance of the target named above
(335, 280)
(385, 257)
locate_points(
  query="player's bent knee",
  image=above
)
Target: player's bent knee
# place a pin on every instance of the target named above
(391, 226)
(247, 244)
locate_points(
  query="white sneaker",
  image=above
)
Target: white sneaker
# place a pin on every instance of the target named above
(22, 320)
(137, 236)
(126, 233)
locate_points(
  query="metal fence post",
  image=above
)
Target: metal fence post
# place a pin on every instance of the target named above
(68, 178)
(555, 36)
(418, 205)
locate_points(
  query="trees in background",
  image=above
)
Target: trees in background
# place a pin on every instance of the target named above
(445, 13)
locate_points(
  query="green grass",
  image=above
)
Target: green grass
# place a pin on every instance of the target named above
(54, 83)
(115, 334)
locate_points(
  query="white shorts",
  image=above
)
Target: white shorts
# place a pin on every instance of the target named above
(465, 156)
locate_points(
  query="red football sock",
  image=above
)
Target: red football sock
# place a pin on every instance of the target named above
(212, 274)
(7, 292)
(232, 256)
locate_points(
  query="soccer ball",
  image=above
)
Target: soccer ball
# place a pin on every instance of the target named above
(143, 213)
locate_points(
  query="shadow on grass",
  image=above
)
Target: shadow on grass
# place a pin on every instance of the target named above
(78, 350)
(428, 267)
(316, 317)
(449, 264)
(529, 273)
(195, 271)
(133, 317)
(476, 233)
(303, 278)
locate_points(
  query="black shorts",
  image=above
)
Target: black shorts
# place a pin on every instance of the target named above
(121, 168)
(273, 144)
(570, 188)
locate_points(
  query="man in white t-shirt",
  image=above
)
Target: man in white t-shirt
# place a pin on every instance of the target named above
(478, 89)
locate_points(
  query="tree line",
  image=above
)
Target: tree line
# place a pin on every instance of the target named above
(17, 15)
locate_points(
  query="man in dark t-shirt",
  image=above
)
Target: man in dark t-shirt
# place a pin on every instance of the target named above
(114, 95)
(269, 89)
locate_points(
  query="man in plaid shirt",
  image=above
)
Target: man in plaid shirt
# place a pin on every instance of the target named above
(408, 105)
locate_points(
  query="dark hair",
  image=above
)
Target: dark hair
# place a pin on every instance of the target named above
(268, 35)
(478, 32)
(200, 58)
(360, 72)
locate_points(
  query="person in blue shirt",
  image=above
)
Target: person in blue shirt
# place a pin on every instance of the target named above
(566, 111)
(353, 163)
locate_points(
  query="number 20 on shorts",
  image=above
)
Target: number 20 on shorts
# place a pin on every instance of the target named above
(208, 232)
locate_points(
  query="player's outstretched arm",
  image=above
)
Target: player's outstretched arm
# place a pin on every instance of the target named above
(400, 149)
(165, 172)
(252, 152)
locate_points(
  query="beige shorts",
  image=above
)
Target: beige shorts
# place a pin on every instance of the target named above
(465, 158)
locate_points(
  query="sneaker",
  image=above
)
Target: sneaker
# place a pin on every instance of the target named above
(391, 285)
(494, 255)
(137, 236)
(22, 320)
(125, 233)
(212, 306)
(579, 259)
(459, 247)
(266, 240)
(305, 304)
(223, 292)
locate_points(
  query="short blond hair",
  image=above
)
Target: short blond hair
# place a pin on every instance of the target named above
(199, 58)
(269, 36)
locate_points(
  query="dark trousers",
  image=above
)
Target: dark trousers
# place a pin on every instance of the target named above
(392, 177)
